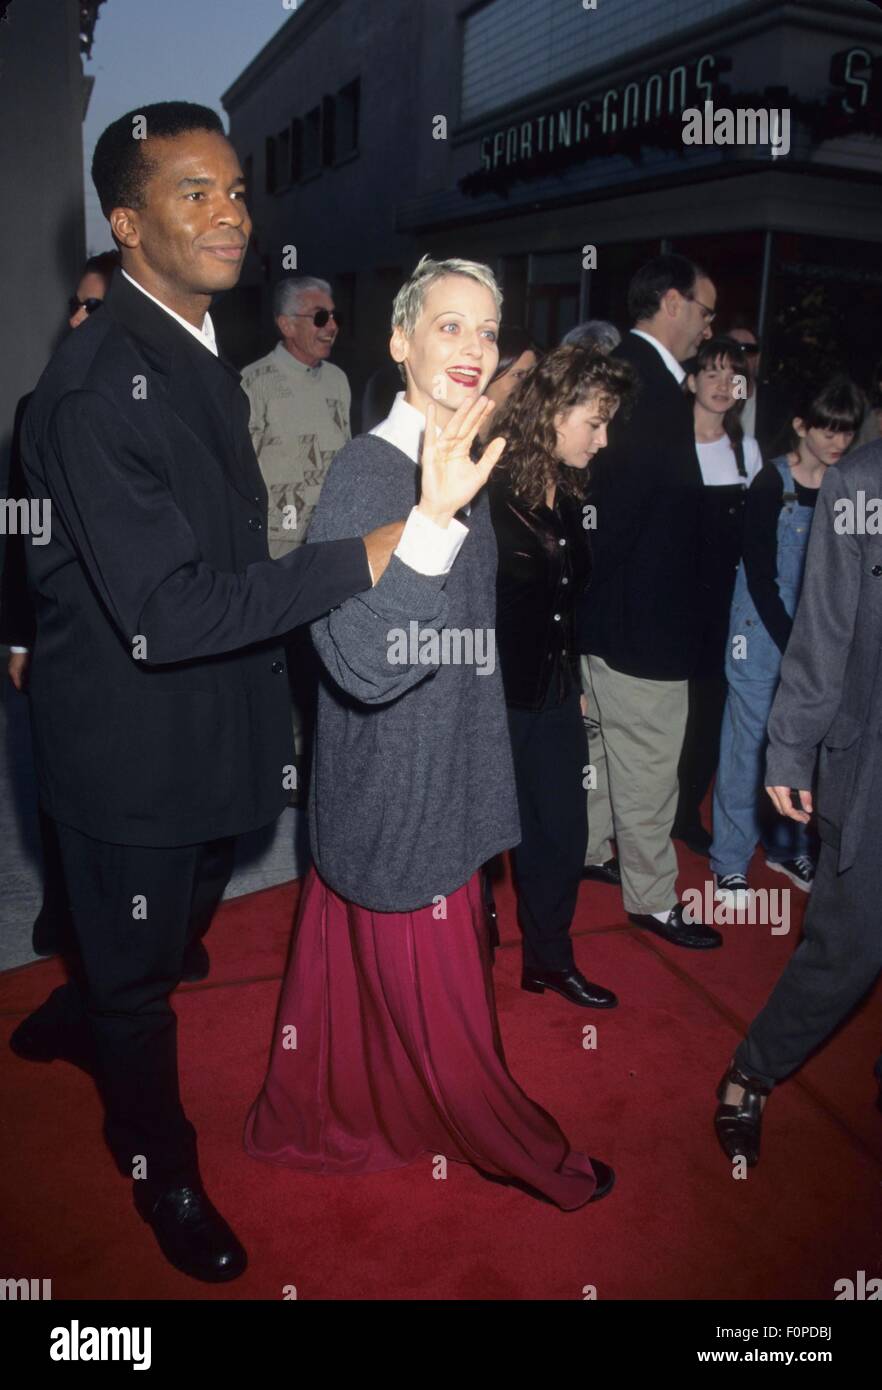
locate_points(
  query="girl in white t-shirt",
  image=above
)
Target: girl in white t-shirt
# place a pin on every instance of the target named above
(729, 461)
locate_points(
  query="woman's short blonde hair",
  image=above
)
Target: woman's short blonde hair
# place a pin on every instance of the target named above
(409, 300)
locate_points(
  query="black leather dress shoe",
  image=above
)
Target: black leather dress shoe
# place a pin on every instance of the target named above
(604, 873)
(192, 1234)
(196, 963)
(694, 837)
(572, 985)
(45, 937)
(739, 1127)
(606, 1180)
(35, 1041)
(694, 935)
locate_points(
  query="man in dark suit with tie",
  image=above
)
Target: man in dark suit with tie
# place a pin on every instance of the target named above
(640, 621)
(160, 706)
(829, 698)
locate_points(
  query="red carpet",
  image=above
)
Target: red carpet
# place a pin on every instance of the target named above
(677, 1225)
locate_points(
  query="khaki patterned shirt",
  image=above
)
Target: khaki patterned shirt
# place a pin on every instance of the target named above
(299, 421)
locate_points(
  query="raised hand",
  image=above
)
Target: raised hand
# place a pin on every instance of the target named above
(449, 477)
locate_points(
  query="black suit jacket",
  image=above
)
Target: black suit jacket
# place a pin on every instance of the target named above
(642, 611)
(161, 711)
(16, 608)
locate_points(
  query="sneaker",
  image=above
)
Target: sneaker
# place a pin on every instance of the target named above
(733, 890)
(800, 871)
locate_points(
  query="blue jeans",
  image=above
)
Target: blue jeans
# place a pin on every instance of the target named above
(743, 813)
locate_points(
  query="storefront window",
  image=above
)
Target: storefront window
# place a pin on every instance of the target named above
(608, 284)
(734, 261)
(826, 308)
(553, 287)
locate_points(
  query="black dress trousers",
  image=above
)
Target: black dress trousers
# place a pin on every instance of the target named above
(134, 909)
(548, 746)
(722, 534)
(835, 964)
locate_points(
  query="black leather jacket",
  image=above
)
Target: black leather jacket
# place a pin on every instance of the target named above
(544, 567)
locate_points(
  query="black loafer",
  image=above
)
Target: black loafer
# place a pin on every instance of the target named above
(739, 1127)
(46, 936)
(695, 936)
(606, 1181)
(35, 1041)
(604, 873)
(192, 1234)
(196, 963)
(572, 985)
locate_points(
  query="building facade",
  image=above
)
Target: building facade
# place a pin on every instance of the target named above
(548, 140)
(43, 99)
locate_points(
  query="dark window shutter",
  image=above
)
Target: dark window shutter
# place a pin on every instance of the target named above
(312, 148)
(270, 164)
(347, 119)
(329, 111)
(296, 149)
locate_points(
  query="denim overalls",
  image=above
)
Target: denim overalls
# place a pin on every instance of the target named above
(742, 817)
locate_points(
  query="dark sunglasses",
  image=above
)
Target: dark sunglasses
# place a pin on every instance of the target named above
(90, 305)
(320, 317)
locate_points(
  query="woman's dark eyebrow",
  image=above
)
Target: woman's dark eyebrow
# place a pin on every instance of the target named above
(459, 315)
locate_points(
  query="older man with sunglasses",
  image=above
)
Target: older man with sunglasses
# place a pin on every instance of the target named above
(299, 407)
(299, 421)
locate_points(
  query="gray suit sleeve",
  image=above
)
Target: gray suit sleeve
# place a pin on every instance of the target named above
(813, 669)
(361, 642)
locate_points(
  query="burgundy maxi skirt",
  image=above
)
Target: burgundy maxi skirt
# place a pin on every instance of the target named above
(387, 1047)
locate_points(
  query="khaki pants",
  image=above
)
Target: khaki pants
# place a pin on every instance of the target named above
(600, 817)
(635, 750)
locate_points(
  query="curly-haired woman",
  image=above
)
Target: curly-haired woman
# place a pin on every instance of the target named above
(553, 424)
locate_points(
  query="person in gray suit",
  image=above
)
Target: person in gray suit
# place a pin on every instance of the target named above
(830, 698)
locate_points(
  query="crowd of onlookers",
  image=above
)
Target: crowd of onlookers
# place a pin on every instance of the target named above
(539, 604)
(658, 602)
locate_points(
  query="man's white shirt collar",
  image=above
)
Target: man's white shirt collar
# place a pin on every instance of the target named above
(666, 356)
(205, 335)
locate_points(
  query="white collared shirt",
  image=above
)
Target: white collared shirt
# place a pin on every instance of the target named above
(404, 427)
(665, 354)
(424, 547)
(205, 334)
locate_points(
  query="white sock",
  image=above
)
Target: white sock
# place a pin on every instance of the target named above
(662, 916)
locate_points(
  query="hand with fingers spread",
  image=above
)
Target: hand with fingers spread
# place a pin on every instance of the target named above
(783, 803)
(450, 478)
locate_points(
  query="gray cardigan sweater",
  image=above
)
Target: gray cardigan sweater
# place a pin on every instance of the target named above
(412, 782)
